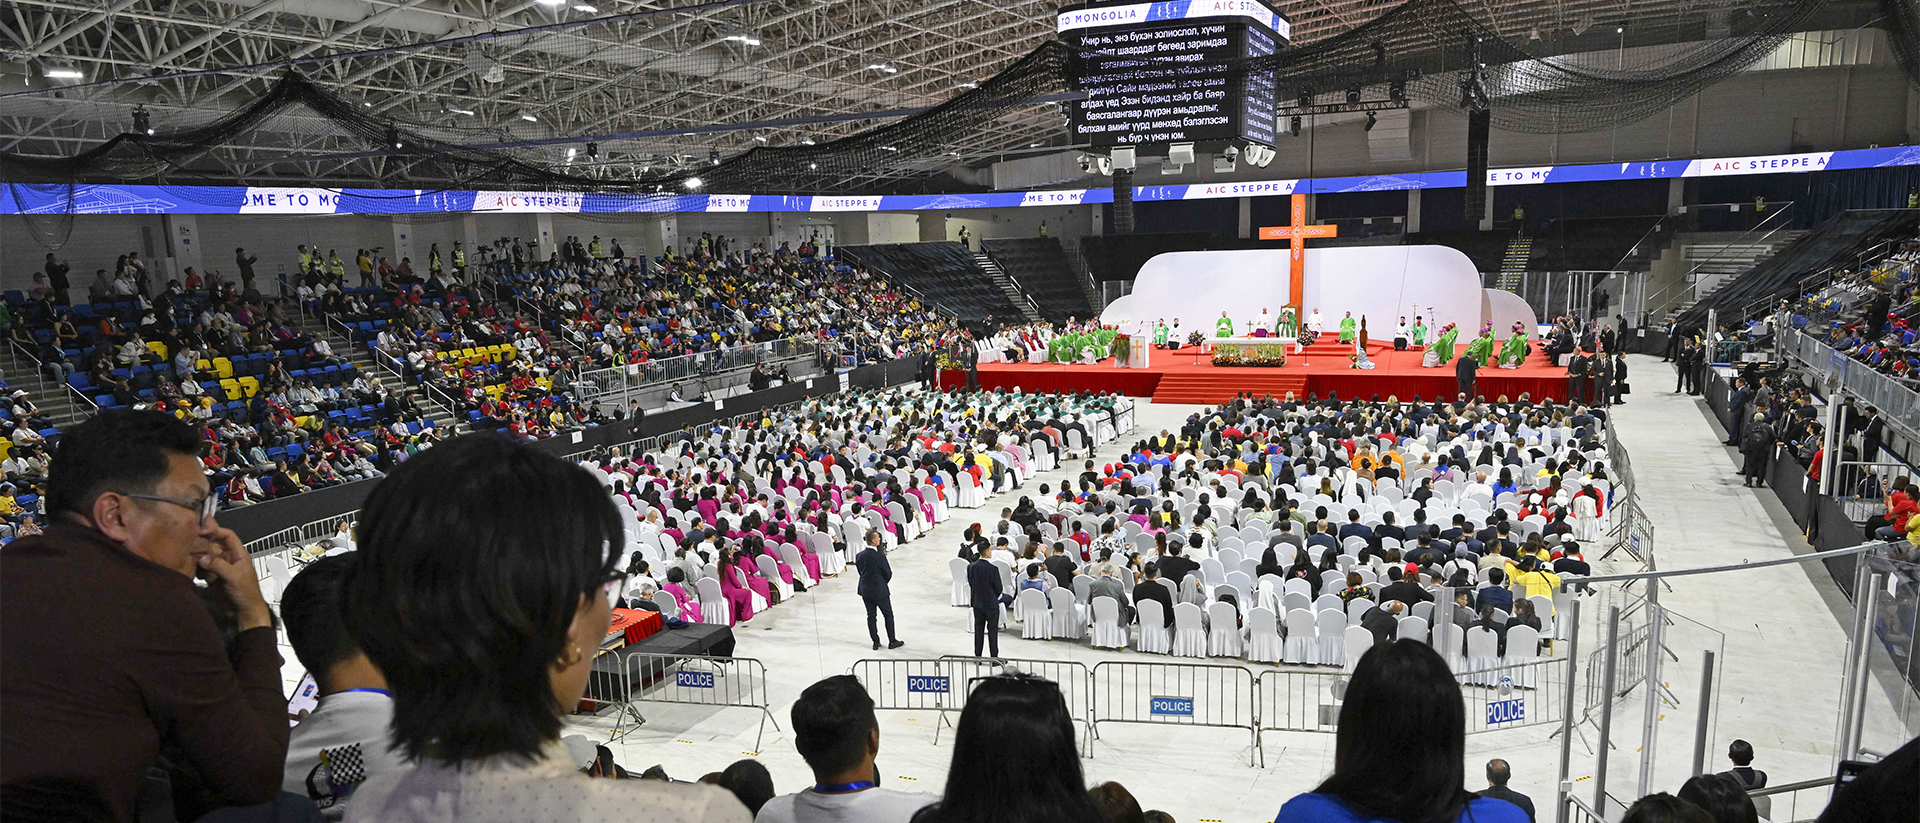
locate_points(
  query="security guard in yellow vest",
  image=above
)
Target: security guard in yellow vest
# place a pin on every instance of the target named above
(459, 256)
(594, 250)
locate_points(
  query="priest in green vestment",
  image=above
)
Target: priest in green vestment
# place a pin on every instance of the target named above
(1482, 347)
(1223, 327)
(1515, 351)
(1348, 329)
(1419, 332)
(1444, 345)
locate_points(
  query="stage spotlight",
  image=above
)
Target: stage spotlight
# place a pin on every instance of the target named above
(1122, 158)
(593, 149)
(1306, 98)
(1353, 95)
(813, 167)
(142, 121)
(1180, 154)
(694, 183)
(393, 138)
(1371, 120)
(713, 157)
(1293, 126)
(1379, 53)
(1397, 91)
(1258, 156)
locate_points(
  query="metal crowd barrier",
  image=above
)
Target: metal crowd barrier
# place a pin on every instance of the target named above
(1300, 701)
(1517, 695)
(697, 680)
(942, 685)
(1177, 694)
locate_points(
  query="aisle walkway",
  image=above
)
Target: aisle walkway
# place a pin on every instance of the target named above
(1782, 656)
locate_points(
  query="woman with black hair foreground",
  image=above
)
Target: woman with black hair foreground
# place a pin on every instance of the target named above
(1020, 720)
(1400, 751)
(482, 593)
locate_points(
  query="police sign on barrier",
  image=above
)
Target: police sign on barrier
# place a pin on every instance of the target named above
(1177, 694)
(1506, 711)
(1170, 706)
(929, 684)
(627, 678)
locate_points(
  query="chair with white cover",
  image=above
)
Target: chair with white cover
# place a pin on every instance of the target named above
(668, 604)
(1332, 627)
(1223, 638)
(1332, 578)
(1030, 608)
(1189, 631)
(1523, 646)
(1213, 572)
(1412, 628)
(791, 555)
(1230, 555)
(1358, 608)
(1296, 600)
(1483, 653)
(1108, 632)
(771, 572)
(1076, 445)
(1549, 622)
(713, 605)
(968, 495)
(1068, 616)
(1302, 645)
(1296, 585)
(831, 563)
(962, 592)
(1151, 640)
(1422, 610)
(1263, 637)
(1358, 640)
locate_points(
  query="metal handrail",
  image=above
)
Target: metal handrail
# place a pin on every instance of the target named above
(1690, 280)
(1793, 787)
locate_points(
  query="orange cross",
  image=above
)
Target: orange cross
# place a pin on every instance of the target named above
(1297, 235)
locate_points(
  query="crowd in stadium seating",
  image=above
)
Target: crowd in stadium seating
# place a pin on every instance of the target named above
(1872, 315)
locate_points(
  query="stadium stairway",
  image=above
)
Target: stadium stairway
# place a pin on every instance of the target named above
(1515, 263)
(1215, 386)
(1000, 278)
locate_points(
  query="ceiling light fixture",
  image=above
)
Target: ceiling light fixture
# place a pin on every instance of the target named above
(585, 8)
(454, 110)
(759, 138)
(63, 73)
(882, 67)
(813, 166)
(743, 38)
(806, 141)
(969, 85)
(888, 148)
(694, 183)
(551, 2)
(529, 118)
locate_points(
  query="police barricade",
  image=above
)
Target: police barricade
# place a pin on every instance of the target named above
(1300, 701)
(675, 678)
(1074, 679)
(913, 685)
(1177, 694)
(1532, 693)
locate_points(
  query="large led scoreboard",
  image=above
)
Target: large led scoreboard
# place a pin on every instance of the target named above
(1165, 72)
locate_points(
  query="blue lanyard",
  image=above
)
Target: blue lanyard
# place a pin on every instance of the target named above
(381, 692)
(844, 788)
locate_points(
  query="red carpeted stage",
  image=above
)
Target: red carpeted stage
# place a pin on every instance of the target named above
(1184, 376)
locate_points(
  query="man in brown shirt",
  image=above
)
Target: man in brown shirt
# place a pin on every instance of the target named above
(109, 653)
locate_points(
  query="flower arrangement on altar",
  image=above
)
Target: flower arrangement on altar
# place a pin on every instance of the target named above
(1195, 338)
(1258, 354)
(1120, 348)
(946, 362)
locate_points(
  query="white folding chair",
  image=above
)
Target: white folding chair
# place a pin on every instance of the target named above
(669, 605)
(1108, 632)
(962, 592)
(713, 604)
(1068, 616)
(1302, 645)
(1358, 641)
(1223, 638)
(1030, 608)
(1189, 631)
(1412, 628)
(1332, 628)
(1263, 637)
(1155, 636)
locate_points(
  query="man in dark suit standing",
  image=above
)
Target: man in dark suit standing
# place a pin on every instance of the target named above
(1871, 434)
(875, 572)
(1673, 341)
(1498, 773)
(1577, 377)
(983, 581)
(970, 358)
(1464, 371)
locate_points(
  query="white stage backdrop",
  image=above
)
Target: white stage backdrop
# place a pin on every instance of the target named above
(1380, 282)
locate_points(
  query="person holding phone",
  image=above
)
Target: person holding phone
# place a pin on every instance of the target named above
(111, 653)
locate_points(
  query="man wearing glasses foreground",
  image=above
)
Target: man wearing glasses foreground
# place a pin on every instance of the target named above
(111, 654)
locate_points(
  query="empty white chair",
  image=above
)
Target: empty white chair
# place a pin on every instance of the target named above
(1223, 636)
(1358, 641)
(1108, 632)
(1069, 617)
(1030, 608)
(962, 593)
(1328, 601)
(1412, 628)
(1332, 628)
(1297, 585)
(1302, 646)
(1155, 637)
(1423, 610)
(1189, 631)
(1357, 608)
(1230, 556)
(713, 604)
(1213, 572)
(1263, 637)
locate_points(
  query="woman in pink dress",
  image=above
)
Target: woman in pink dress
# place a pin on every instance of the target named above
(807, 557)
(750, 577)
(675, 586)
(739, 599)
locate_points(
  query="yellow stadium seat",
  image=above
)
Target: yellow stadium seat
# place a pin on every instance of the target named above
(249, 386)
(231, 387)
(158, 348)
(223, 367)
(203, 364)
(6, 448)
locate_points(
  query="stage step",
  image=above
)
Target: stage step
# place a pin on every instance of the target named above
(1220, 385)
